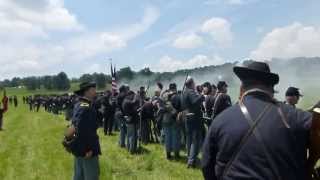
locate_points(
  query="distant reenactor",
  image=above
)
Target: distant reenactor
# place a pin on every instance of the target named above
(169, 122)
(30, 103)
(37, 103)
(222, 99)
(3, 109)
(191, 104)
(209, 94)
(87, 148)
(259, 138)
(119, 115)
(15, 101)
(293, 96)
(146, 114)
(130, 107)
(10, 100)
(109, 108)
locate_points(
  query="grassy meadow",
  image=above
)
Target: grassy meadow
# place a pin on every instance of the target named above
(30, 149)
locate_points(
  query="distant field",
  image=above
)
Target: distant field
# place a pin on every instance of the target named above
(30, 149)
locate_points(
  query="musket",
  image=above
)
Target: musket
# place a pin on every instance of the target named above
(148, 87)
(184, 84)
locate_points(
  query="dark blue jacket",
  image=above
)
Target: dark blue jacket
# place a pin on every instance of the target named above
(191, 101)
(86, 123)
(286, 146)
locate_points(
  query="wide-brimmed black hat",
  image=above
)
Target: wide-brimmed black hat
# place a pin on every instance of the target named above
(85, 86)
(172, 86)
(256, 71)
(221, 84)
(293, 91)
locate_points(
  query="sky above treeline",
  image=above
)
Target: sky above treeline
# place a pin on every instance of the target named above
(41, 37)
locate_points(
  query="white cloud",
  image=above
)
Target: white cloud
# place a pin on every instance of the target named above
(218, 28)
(151, 15)
(36, 16)
(94, 68)
(27, 56)
(295, 40)
(189, 41)
(220, 31)
(169, 64)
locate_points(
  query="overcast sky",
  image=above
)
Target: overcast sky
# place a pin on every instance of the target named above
(79, 36)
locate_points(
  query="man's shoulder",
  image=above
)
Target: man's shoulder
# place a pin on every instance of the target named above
(293, 110)
(82, 105)
(223, 96)
(230, 114)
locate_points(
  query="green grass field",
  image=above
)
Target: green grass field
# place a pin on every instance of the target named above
(30, 149)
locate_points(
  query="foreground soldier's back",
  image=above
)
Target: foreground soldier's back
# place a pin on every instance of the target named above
(254, 139)
(288, 152)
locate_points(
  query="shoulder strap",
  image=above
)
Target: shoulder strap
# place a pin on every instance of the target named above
(245, 138)
(257, 134)
(215, 102)
(283, 117)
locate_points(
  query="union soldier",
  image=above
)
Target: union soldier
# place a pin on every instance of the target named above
(292, 96)
(84, 119)
(191, 103)
(119, 115)
(169, 122)
(258, 138)
(130, 106)
(222, 99)
(15, 101)
(209, 92)
(2, 111)
(10, 100)
(144, 120)
(109, 108)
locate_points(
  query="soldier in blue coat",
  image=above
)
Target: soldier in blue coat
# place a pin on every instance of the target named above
(258, 138)
(86, 165)
(293, 96)
(191, 102)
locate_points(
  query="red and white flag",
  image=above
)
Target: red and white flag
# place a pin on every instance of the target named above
(114, 85)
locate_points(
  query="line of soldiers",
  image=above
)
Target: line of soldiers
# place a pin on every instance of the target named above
(255, 138)
(13, 100)
(55, 104)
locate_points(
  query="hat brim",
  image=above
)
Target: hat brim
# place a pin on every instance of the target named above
(79, 92)
(83, 89)
(244, 73)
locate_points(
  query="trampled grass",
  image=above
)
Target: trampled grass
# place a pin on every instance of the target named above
(30, 149)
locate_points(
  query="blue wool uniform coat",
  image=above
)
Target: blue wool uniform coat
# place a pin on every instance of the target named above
(86, 123)
(286, 144)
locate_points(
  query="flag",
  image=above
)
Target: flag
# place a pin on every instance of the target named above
(114, 85)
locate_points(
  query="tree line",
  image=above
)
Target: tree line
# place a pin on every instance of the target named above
(60, 82)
